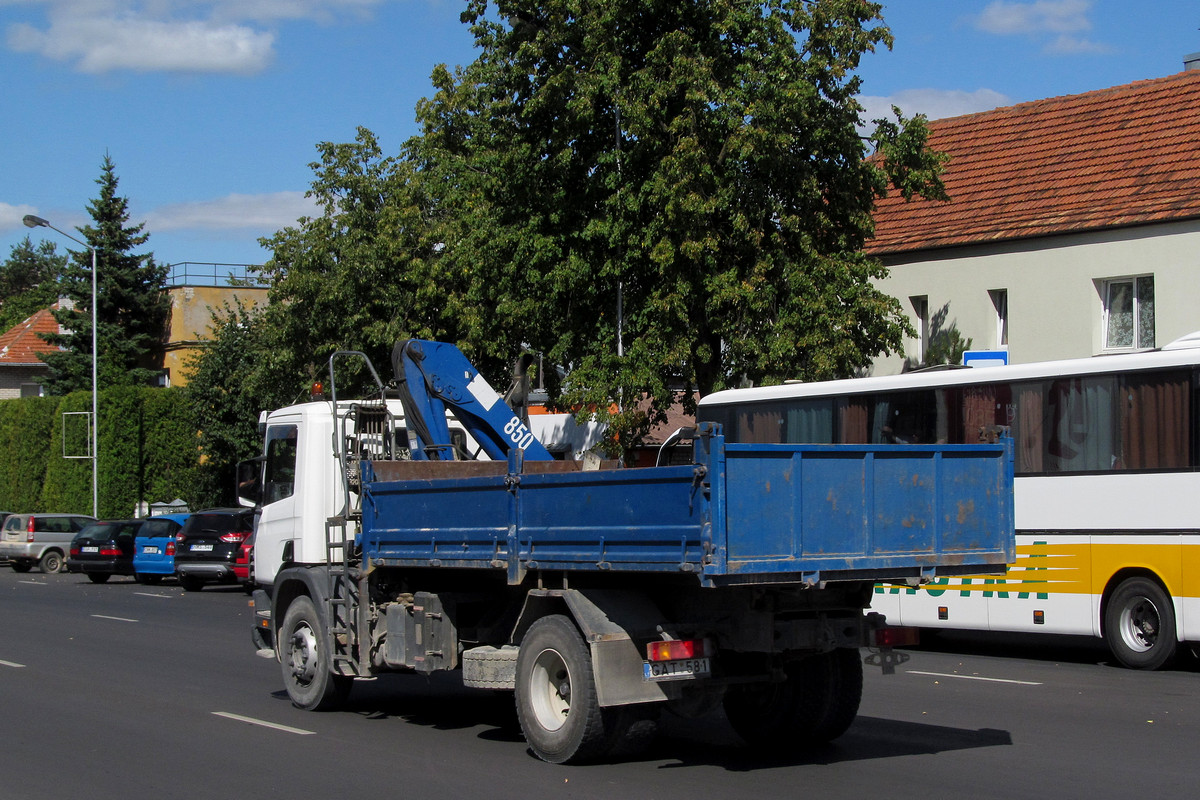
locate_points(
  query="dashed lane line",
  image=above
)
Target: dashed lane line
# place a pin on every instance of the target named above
(974, 678)
(264, 723)
(118, 619)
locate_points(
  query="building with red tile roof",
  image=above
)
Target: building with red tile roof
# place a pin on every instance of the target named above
(1071, 222)
(21, 347)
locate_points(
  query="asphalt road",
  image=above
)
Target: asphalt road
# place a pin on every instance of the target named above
(125, 691)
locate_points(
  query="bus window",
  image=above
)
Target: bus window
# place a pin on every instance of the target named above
(1081, 425)
(1153, 420)
(904, 418)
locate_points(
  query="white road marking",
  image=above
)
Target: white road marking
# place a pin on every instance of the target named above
(148, 594)
(973, 678)
(264, 723)
(34, 583)
(12, 664)
(118, 619)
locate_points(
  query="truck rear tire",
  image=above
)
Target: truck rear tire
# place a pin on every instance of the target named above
(1139, 625)
(815, 704)
(557, 705)
(305, 660)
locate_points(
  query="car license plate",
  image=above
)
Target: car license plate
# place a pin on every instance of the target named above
(150, 549)
(676, 670)
(89, 549)
(202, 548)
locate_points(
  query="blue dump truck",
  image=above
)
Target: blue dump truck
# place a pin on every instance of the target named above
(598, 595)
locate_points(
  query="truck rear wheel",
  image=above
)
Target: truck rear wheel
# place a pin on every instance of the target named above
(305, 660)
(816, 702)
(557, 705)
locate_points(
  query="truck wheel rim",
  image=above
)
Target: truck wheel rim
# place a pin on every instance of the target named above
(550, 690)
(303, 654)
(1139, 625)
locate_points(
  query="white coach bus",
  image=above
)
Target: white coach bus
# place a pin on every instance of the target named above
(1107, 490)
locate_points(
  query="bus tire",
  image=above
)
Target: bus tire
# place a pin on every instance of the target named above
(1139, 625)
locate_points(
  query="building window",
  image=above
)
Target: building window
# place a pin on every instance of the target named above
(1129, 313)
(920, 307)
(31, 390)
(1000, 303)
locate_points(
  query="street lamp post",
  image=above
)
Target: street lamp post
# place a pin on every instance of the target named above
(37, 222)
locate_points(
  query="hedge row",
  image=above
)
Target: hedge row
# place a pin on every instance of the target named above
(148, 452)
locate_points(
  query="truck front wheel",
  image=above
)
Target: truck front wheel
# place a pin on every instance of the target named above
(305, 660)
(557, 705)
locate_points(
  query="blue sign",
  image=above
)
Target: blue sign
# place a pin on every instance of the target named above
(985, 358)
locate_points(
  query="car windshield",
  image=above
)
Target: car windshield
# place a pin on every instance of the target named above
(200, 524)
(158, 527)
(101, 531)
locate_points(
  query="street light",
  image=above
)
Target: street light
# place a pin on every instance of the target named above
(37, 222)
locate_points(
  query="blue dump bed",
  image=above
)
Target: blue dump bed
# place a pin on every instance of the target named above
(744, 513)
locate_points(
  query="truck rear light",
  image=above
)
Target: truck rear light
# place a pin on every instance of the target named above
(234, 537)
(676, 649)
(894, 636)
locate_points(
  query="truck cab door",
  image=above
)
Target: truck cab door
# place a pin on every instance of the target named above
(278, 521)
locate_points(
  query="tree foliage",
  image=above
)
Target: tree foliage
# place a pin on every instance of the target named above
(28, 281)
(225, 394)
(655, 196)
(131, 306)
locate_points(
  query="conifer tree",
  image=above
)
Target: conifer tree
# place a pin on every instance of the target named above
(131, 306)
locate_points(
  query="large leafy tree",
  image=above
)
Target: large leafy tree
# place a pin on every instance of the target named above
(697, 165)
(357, 276)
(28, 280)
(662, 198)
(131, 306)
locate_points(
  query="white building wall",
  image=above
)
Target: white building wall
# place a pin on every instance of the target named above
(1055, 285)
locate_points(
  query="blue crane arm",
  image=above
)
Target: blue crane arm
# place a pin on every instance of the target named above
(436, 376)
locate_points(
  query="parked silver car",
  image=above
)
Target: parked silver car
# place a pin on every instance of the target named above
(41, 539)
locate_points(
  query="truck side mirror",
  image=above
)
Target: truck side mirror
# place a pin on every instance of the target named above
(249, 482)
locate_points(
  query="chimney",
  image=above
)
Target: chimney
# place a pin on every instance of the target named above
(1191, 62)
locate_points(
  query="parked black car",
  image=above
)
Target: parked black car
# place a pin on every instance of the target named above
(208, 545)
(104, 549)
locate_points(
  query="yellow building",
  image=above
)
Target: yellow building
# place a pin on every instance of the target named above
(196, 290)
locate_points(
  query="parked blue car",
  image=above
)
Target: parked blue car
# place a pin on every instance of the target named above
(154, 551)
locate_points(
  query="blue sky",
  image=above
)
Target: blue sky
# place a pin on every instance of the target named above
(212, 109)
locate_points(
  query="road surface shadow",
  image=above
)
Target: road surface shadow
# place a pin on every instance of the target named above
(440, 702)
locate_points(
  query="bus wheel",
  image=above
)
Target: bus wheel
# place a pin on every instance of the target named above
(1139, 625)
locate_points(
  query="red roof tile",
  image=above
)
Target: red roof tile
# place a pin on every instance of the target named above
(22, 343)
(1121, 156)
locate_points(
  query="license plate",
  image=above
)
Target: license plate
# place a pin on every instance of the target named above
(150, 549)
(676, 670)
(202, 548)
(89, 549)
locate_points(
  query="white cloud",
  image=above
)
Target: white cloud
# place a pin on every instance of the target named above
(103, 45)
(227, 36)
(1056, 23)
(265, 213)
(933, 103)
(1043, 16)
(1071, 46)
(11, 216)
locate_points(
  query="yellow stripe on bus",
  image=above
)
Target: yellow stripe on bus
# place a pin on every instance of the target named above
(1074, 568)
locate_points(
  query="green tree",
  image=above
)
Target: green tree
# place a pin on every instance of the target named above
(131, 306)
(697, 164)
(225, 398)
(29, 281)
(655, 196)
